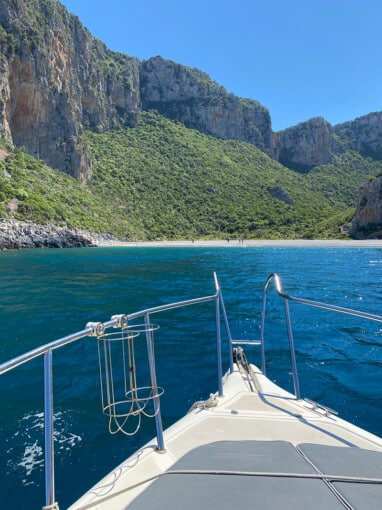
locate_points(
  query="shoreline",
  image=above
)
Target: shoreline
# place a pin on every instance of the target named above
(293, 243)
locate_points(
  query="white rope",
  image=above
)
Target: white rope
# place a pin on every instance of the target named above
(317, 476)
(205, 404)
(333, 478)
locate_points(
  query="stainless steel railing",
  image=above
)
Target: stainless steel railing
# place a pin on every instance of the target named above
(97, 329)
(118, 321)
(287, 298)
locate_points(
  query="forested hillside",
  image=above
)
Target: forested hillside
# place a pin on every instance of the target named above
(164, 181)
(155, 149)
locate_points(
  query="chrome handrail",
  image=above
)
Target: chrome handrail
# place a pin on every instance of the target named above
(93, 329)
(317, 304)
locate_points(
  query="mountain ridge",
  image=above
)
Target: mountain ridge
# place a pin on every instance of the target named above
(52, 67)
(58, 82)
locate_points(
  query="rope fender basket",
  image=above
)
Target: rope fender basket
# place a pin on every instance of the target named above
(124, 400)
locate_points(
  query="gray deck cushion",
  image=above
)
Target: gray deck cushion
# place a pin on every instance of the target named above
(332, 460)
(267, 456)
(225, 492)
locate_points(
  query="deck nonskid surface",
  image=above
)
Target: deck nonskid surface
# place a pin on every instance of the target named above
(252, 430)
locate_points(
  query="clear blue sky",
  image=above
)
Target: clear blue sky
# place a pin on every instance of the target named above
(299, 58)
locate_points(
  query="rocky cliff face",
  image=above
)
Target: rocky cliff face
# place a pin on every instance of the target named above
(57, 79)
(315, 141)
(306, 145)
(189, 95)
(367, 222)
(363, 134)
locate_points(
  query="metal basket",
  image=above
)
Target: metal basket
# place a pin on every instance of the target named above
(122, 396)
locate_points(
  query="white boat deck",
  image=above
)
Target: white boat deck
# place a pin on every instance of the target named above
(242, 422)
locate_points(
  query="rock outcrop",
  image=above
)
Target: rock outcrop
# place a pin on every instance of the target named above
(280, 193)
(16, 235)
(305, 145)
(56, 80)
(367, 222)
(363, 134)
(315, 141)
(189, 95)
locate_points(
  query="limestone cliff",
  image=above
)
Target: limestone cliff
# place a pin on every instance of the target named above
(363, 134)
(367, 222)
(189, 95)
(306, 145)
(56, 79)
(315, 141)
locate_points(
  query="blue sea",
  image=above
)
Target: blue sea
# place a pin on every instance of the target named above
(48, 294)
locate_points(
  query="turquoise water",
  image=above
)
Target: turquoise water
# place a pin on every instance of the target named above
(47, 294)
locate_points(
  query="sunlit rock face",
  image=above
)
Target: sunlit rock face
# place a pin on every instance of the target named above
(56, 80)
(189, 95)
(367, 222)
(363, 134)
(305, 145)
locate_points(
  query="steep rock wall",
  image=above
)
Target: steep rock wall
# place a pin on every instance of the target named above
(367, 221)
(305, 145)
(57, 79)
(363, 134)
(189, 95)
(315, 141)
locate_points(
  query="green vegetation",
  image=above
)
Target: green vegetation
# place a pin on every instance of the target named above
(164, 181)
(29, 190)
(338, 181)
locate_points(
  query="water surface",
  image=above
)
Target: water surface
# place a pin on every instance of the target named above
(47, 294)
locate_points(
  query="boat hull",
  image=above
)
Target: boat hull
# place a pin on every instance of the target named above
(255, 423)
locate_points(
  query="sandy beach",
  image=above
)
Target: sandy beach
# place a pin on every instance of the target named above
(314, 243)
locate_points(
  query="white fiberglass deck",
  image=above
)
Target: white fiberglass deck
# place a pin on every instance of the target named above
(240, 451)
